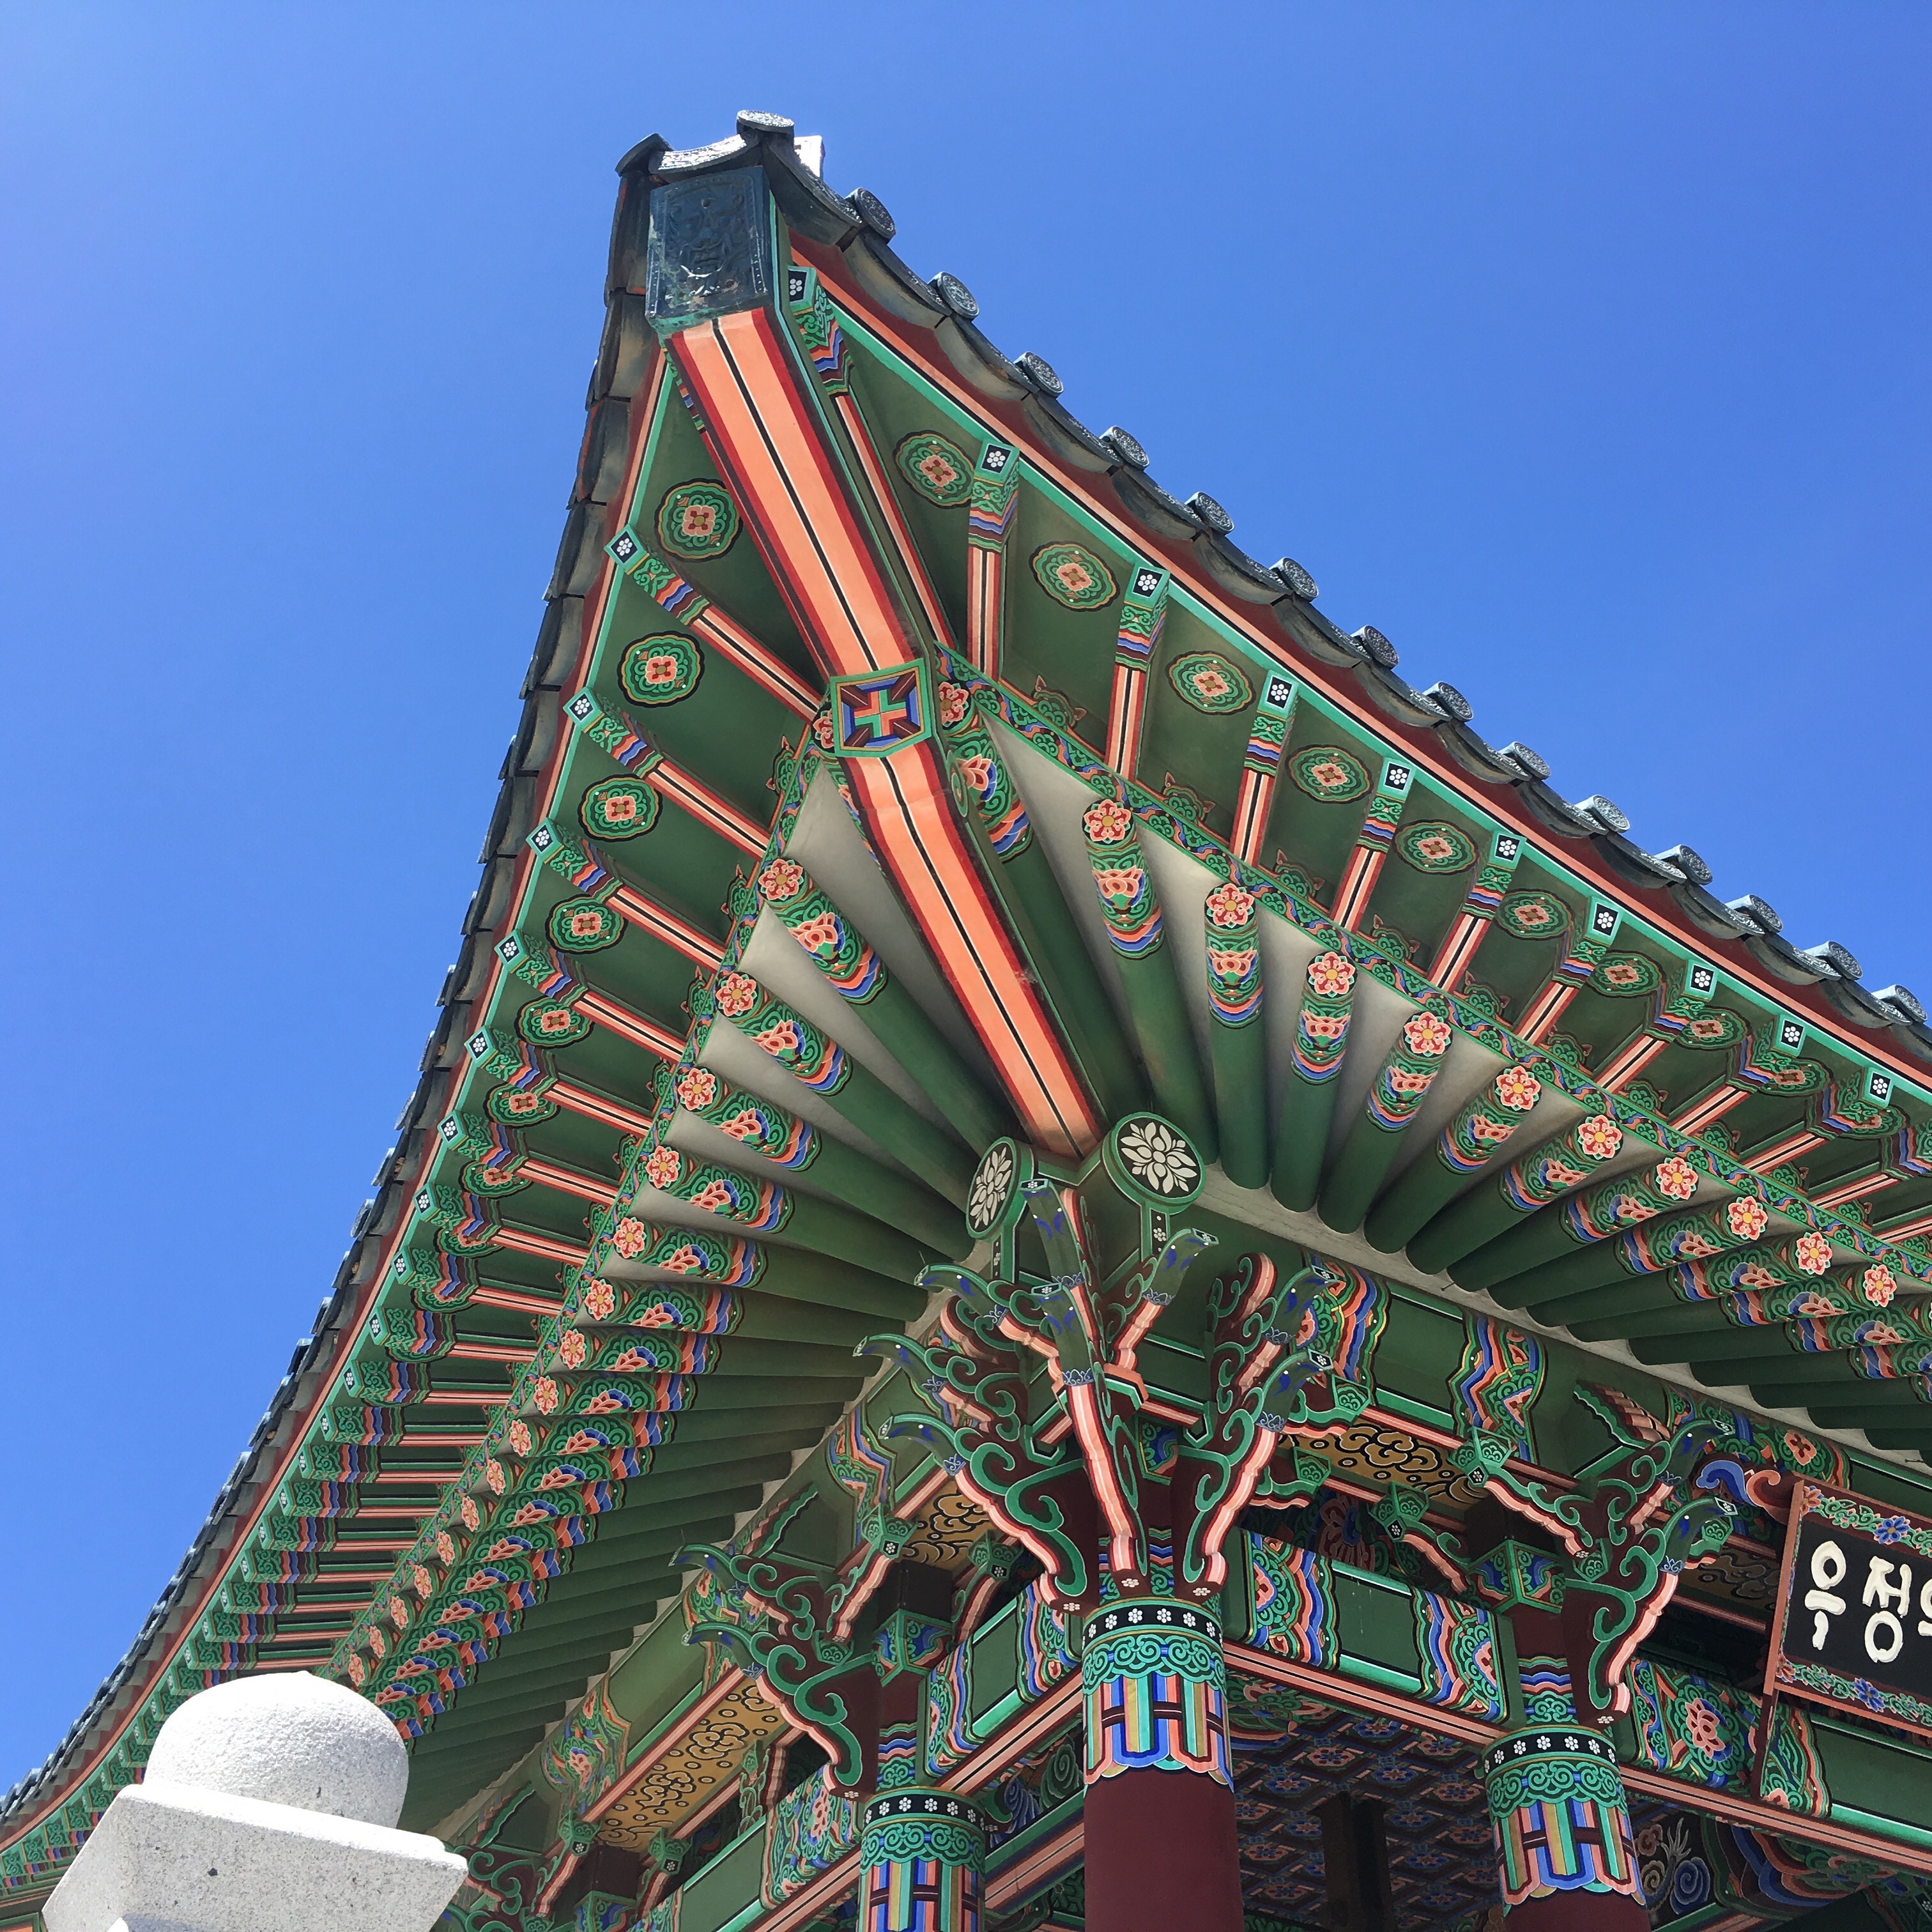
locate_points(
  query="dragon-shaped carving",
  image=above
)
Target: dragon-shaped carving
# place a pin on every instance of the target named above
(1037, 1405)
(1638, 1519)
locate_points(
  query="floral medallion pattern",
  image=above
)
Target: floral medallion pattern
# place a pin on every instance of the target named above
(1626, 976)
(937, 469)
(1157, 1160)
(1328, 773)
(1434, 847)
(660, 670)
(619, 808)
(1528, 915)
(1074, 576)
(697, 520)
(1210, 683)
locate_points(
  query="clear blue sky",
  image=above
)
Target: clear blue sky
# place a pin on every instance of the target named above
(1583, 350)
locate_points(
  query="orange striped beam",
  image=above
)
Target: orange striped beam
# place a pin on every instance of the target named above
(616, 732)
(595, 1107)
(989, 521)
(661, 923)
(1861, 1187)
(766, 441)
(1478, 911)
(1710, 1108)
(824, 342)
(1631, 1061)
(1583, 951)
(1793, 1147)
(675, 594)
(628, 1025)
(1143, 616)
(1903, 1230)
(565, 1180)
(1260, 764)
(1372, 845)
(545, 1247)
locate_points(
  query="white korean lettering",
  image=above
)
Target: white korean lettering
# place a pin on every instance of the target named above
(1925, 1608)
(1828, 1572)
(1884, 1636)
(1880, 1588)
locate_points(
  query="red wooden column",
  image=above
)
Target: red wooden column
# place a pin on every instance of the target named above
(1161, 1848)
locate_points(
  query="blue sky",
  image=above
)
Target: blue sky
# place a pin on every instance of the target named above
(1580, 350)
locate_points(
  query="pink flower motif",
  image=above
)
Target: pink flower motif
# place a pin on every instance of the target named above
(543, 1397)
(1331, 975)
(522, 1103)
(1518, 1089)
(1208, 683)
(937, 471)
(1532, 914)
(1331, 776)
(600, 1301)
(1746, 1219)
(659, 1315)
(1600, 1137)
(1812, 1252)
(378, 1645)
(686, 1260)
(586, 922)
(1801, 1449)
(1075, 579)
(744, 1125)
(556, 1020)
(520, 1437)
(698, 519)
(1622, 973)
(715, 1197)
(1705, 1727)
(662, 1166)
(1425, 1034)
(823, 932)
(780, 1040)
(782, 879)
(1107, 823)
(445, 1547)
(1121, 884)
(1230, 905)
(618, 807)
(1880, 1285)
(661, 668)
(952, 704)
(1676, 1178)
(697, 1088)
(1753, 1274)
(571, 1349)
(821, 729)
(737, 994)
(1709, 1027)
(1433, 845)
(472, 1516)
(977, 772)
(399, 1613)
(630, 1237)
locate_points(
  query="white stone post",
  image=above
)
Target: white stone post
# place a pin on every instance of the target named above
(268, 1805)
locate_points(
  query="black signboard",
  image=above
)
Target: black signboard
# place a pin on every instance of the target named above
(1854, 1610)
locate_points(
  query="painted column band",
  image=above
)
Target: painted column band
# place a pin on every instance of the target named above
(922, 1850)
(1560, 1819)
(1154, 1683)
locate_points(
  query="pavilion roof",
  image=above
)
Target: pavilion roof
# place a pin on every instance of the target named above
(423, 1443)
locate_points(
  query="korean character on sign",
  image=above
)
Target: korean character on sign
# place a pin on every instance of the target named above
(1828, 1572)
(1884, 1634)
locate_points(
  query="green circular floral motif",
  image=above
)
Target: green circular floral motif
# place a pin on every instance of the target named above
(1533, 916)
(1073, 576)
(1434, 847)
(1210, 682)
(551, 1023)
(1713, 1028)
(517, 1107)
(937, 470)
(586, 926)
(1327, 772)
(697, 520)
(491, 1181)
(619, 808)
(1626, 976)
(660, 670)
